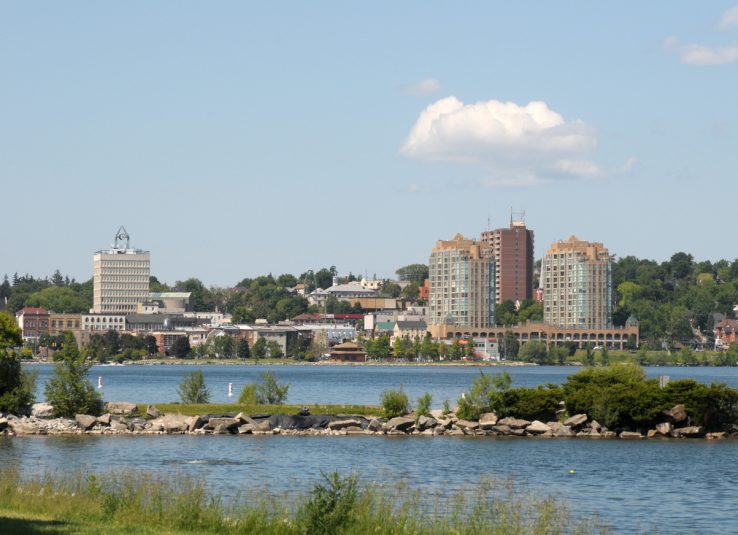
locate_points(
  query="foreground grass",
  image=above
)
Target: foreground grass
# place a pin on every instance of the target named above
(140, 503)
(226, 408)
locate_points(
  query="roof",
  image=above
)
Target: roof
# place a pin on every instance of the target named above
(385, 325)
(351, 287)
(146, 318)
(31, 310)
(412, 325)
(169, 295)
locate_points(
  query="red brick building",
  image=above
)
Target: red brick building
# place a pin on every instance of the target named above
(512, 249)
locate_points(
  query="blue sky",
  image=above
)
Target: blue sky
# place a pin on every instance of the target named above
(234, 139)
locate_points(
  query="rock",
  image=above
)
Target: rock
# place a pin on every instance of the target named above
(693, 431)
(455, 432)
(488, 420)
(42, 410)
(120, 426)
(537, 428)
(426, 422)
(438, 431)
(3, 423)
(152, 411)
(576, 421)
(25, 427)
(104, 419)
(121, 408)
(445, 423)
(375, 425)
(563, 431)
(263, 427)
(194, 423)
(514, 423)
(229, 423)
(595, 426)
(437, 413)
(652, 433)
(502, 429)
(664, 428)
(246, 429)
(85, 421)
(608, 434)
(170, 423)
(467, 424)
(715, 436)
(400, 423)
(677, 414)
(220, 429)
(337, 425)
(517, 432)
(630, 435)
(244, 419)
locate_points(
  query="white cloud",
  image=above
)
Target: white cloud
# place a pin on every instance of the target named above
(729, 19)
(519, 145)
(422, 87)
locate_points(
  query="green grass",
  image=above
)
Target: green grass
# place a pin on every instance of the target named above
(139, 503)
(225, 408)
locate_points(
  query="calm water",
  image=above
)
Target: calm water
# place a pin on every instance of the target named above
(337, 384)
(674, 487)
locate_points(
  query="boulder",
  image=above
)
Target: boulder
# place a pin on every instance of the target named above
(25, 427)
(42, 410)
(152, 411)
(426, 422)
(652, 433)
(104, 419)
(375, 425)
(246, 429)
(664, 429)
(563, 431)
(263, 426)
(437, 413)
(244, 419)
(715, 436)
(514, 423)
(121, 408)
(438, 431)
(445, 423)
(488, 420)
(502, 429)
(692, 431)
(630, 435)
(608, 434)
(677, 414)
(594, 425)
(229, 423)
(220, 429)
(537, 428)
(337, 425)
(3, 423)
(576, 421)
(467, 424)
(120, 426)
(170, 423)
(400, 423)
(194, 423)
(85, 421)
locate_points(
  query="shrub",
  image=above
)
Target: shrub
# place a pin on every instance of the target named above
(395, 403)
(477, 401)
(538, 403)
(193, 389)
(331, 506)
(248, 395)
(269, 391)
(422, 406)
(69, 391)
(17, 387)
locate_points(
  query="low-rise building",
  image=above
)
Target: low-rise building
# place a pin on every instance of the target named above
(33, 322)
(103, 322)
(59, 323)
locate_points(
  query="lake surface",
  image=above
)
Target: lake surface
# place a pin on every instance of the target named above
(637, 486)
(337, 384)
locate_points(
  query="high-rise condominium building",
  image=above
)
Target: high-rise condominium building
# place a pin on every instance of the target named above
(512, 249)
(120, 277)
(577, 285)
(462, 284)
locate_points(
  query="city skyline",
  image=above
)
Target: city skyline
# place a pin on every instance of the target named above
(253, 139)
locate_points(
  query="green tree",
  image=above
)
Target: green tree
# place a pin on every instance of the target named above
(391, 289)
(152, 348)
(193, 389)
(270, 391)
(244, 351)
(274, 350)
(413, 272)
(505, 313)
(534, 351)
(17, 387)
(509, 346)
(181, 347)
(260, 348)
(69, 391)
(59, 299)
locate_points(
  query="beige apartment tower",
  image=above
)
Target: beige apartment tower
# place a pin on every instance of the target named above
(120, 277)
(576, 277)
(462, 284)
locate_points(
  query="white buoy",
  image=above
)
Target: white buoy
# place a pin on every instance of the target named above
(230, 390)
(99, 381)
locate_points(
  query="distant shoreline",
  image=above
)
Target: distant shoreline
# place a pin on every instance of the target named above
(289, 362)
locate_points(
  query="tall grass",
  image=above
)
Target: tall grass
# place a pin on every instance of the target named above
(137, 502)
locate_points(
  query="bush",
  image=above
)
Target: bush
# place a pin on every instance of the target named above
(474, 403)
(538, 403)
(69, 391)
(192, 389)
(422, 406)
(248, 395)
(269, 391)
(330, 507)
(17, 387)
(395, 403)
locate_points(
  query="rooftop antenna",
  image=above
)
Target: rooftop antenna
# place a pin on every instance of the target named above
(121, 235)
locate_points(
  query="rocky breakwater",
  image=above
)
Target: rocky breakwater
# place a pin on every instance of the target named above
(124, 418)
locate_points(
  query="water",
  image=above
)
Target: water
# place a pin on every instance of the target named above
(675, 487)
(336, 384)
(671, 486)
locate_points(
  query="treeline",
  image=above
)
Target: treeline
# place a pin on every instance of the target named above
(57, 293)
